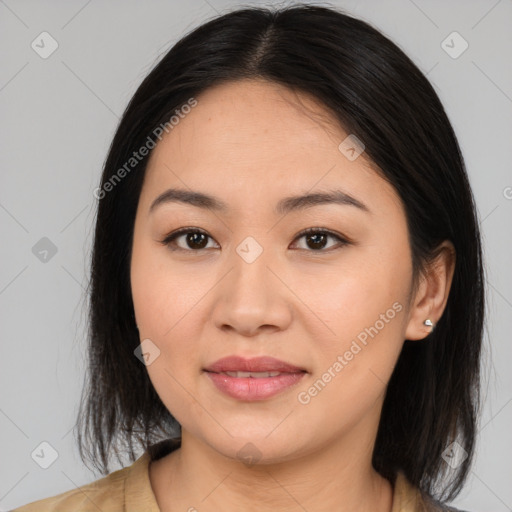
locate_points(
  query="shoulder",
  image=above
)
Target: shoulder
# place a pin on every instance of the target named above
(106, 494)
(408, 498)
(130, 485)
(432, 505)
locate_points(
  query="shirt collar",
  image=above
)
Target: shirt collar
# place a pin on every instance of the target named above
(138, 493)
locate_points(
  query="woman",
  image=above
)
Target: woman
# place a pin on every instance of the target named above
(287, 289)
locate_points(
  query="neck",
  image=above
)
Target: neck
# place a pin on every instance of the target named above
(336, 478)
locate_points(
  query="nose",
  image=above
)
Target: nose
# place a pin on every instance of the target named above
(253, 297)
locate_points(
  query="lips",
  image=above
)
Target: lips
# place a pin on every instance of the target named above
(253, 365)
(254, 389)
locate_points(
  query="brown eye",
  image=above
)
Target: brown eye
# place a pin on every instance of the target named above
(193, 240)
(196, 240)
(316, 239)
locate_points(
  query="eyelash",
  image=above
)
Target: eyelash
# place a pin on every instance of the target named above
(310, 231)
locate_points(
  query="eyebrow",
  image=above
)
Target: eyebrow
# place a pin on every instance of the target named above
(284, 206)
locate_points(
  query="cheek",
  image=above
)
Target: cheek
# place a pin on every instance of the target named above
(167, 308)
(348, 297)
(353, 365)
(163, 301)
(360, 317)
(162, 295)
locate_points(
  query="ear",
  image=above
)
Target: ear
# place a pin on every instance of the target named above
(432, 293)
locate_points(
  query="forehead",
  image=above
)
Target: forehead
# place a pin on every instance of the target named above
(258, 119)
(259, 139)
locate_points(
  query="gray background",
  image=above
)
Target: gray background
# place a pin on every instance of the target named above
(58, 116)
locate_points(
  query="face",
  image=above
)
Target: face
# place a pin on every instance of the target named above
(245, 280)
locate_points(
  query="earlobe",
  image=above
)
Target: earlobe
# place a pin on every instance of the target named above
(432, 294)
(419, 333)
(429, 324)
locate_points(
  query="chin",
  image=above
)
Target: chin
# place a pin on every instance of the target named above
(256, 450)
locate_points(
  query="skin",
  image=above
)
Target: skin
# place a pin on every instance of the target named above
(251, 143)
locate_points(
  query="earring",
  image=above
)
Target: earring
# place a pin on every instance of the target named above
(429, 323)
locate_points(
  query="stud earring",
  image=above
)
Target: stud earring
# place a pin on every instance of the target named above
(429, 323)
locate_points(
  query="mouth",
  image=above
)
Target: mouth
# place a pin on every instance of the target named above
(253, 379)
(252, 386)
(255, 367)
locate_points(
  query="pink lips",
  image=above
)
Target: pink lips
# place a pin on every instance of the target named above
(254, 364)
(253, 388)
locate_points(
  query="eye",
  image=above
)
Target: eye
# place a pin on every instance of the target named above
(316, 238)
(196, 239)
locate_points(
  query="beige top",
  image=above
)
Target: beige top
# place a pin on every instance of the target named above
(129, 490)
